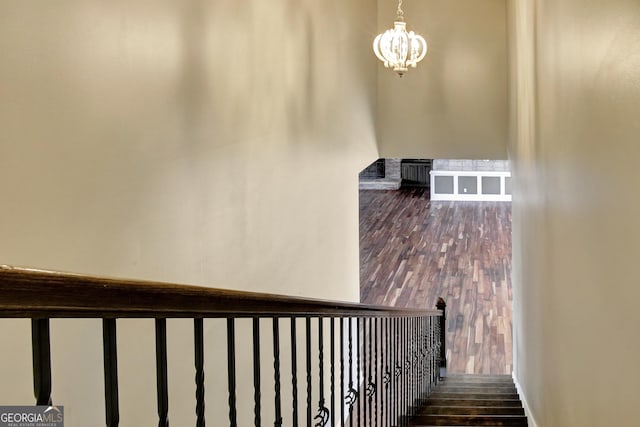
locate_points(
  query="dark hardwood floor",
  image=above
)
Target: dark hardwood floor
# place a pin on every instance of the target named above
(413, 251)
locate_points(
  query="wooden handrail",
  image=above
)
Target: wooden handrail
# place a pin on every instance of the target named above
(31, 293)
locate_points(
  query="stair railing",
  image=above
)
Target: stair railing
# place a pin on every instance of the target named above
(380, 365)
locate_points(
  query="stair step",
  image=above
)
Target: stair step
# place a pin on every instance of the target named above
(475, 395)
(478, 376)
(472, 410)
(479, 379)
(462, 401)
(469, 420)
(480, 388)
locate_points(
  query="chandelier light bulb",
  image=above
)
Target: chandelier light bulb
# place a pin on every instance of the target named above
(399, 49)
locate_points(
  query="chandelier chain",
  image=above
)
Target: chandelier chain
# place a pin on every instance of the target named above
(400, 12)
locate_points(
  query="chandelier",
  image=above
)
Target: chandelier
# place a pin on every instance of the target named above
(398, 49)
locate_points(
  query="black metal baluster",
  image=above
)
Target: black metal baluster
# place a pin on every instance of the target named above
(308, 347)
(231, 370)
(375, 372)
(256, 372)
(352, 394)
(110, 372)
(414, 367)
(332, 350)
(441, 305)
(407, 366)
(161, 372)
(342, 398)
(358, 355)
(423, 330)
(294, 373)
(438, 340)
(392, 388)
(398, 369)
(198, 331)
(276, 372)
(406, 344)
(382, 370)
(392, 370)
(438, 346)
(430, 353)
(435, 326)
(369, 369)
(429, 349)
(401, 362)
(416, 361)
(388, 373)
(322, 418)
(41, 353)
(434, 351)
(425, 345)
(363, 348)
(411, 367)
(420, 355)
(427, 360)
(426, 357)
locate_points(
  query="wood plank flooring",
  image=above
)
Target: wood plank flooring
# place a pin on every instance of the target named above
(413, 251)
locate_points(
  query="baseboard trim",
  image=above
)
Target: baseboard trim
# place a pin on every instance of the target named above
(531, 421)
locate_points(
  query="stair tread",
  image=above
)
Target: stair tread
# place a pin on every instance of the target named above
(475, 385)
(476, 391)
(478, 377)
(444, 395)
(474, 402)
(469, 416)
(487, 410)
(480, 391)
(470, 420)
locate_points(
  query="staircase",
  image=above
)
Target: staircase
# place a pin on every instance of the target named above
(472, 400)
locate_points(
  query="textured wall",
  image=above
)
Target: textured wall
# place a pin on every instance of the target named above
(207, 142)
(454, 105)
(576, 238)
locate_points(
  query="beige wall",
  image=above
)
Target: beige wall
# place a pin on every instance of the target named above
(205, 142)
(576, 209)
(455, 103)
